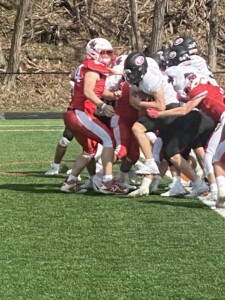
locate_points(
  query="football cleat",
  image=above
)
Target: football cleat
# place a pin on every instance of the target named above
(132, 176)
(143, 190)
(148, 168)
(198, 189)
(154, 186)
(72, 187)
(129, 186)
(175, 190)
(113, 187)
(52, 171)
(96, 182)
(87, 184)
(211, 196)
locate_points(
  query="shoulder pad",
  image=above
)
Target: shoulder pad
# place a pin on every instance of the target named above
(94, 65)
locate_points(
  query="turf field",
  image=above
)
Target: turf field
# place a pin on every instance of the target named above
(91, 246)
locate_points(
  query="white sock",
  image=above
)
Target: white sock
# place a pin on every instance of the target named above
(149, 160)
(176, 179)
(72, 177)
(146, 181)
(55, 166)
(213, 187)
(220, 180)
(107, 178)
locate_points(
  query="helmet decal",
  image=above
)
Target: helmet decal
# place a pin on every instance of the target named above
(118, 61)
(178, 41)
(92, 44)
(172, 54)
(139, 60)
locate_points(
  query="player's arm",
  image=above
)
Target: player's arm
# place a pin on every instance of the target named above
(140, 100)
(180, 111)
(158, 103)
(111, 95)
(90, 79)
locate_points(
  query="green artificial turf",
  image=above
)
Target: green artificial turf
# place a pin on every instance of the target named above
(92, 246)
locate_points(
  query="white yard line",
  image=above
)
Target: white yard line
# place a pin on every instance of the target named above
(28, 125)
(211, 204)
(33, 130)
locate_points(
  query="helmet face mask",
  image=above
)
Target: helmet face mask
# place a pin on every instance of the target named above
(101, 50)
(135, 67)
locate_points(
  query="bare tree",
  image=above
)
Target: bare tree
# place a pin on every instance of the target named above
(158, 26)
(2, 58)
(13, 62)
(137, 43)
(91, 7)
(213, 34)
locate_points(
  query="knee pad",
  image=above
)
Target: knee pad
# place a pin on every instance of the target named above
(151, 136)
(67, 134)
(156, 151)
(219, 153)
(88, 155)
(208, 164)
(64, 142)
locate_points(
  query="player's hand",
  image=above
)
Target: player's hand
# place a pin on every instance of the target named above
(117, 94)
(108, 110)
(153, 113)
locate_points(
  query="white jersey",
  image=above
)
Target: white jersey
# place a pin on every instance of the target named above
(112, 81)
(200, 63)
(153, 80)
(152, 63)
(169, 93)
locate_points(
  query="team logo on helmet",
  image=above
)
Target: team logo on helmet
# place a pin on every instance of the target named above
(172, 54)
(178, 41)
(92, 44)
(118, 60)
(139, 60)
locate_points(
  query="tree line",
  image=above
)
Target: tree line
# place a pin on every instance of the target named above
(83, 16)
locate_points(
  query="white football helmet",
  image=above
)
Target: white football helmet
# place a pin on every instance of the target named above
(96, 48)
(120, 60)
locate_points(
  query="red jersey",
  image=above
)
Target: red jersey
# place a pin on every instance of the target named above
(123, 107)
(79, 101)
(212, 104)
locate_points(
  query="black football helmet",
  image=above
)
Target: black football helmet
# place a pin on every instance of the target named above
(135, 67)
(159, 59)
(178, 55)
(163, 58)
(188, 42)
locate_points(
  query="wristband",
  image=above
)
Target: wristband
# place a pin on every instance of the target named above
(101, 105)
(153, 113)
